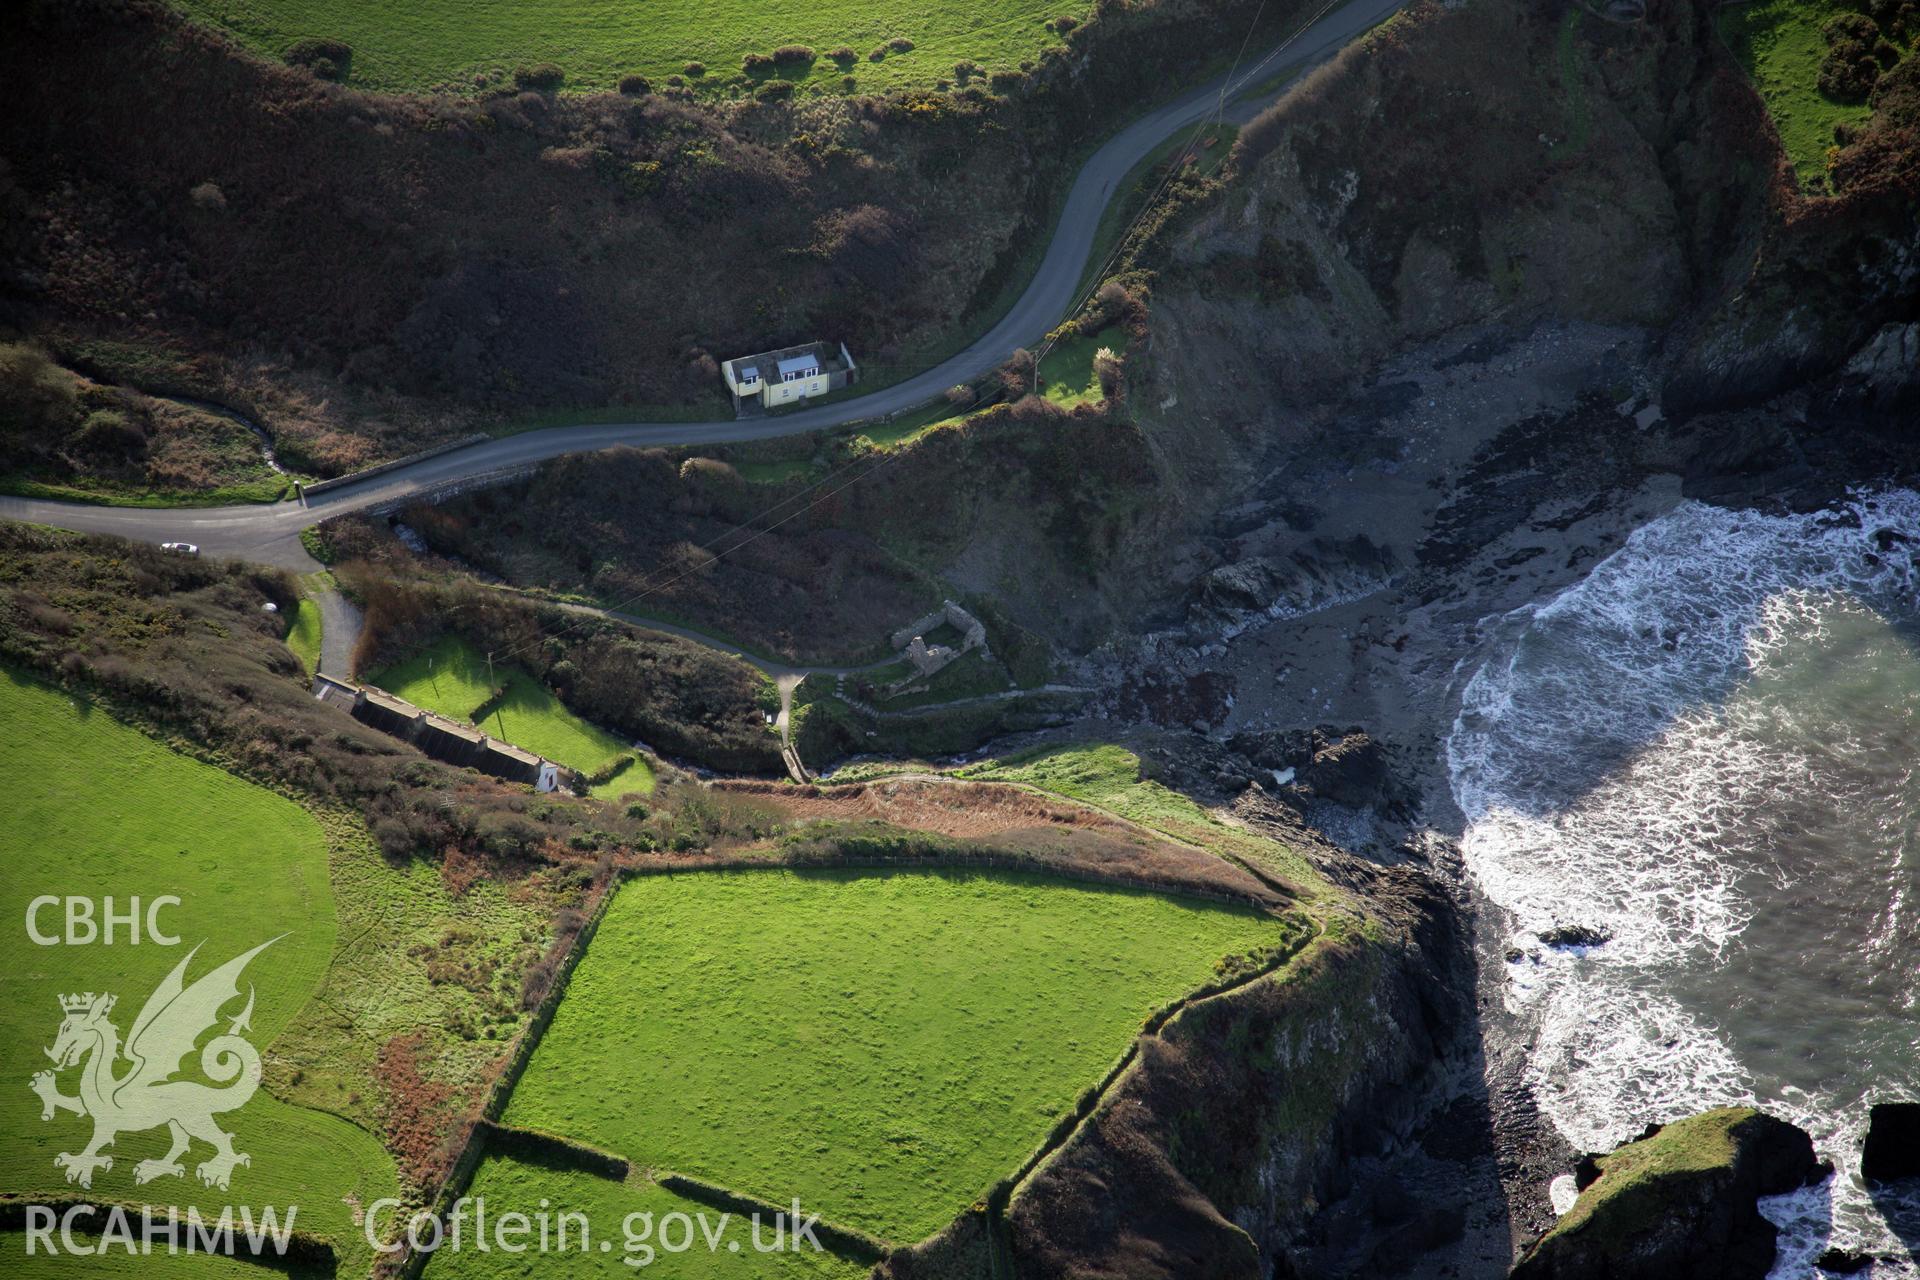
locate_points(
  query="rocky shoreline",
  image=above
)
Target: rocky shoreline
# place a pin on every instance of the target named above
(1311, 685)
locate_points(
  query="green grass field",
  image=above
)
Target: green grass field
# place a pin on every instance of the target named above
(507, 1184)
(446, 44)
(96, 809)
(908, 427)
(1780, 45)
(634, 778)
(884, 1046)
(303, 637)
(450, 677)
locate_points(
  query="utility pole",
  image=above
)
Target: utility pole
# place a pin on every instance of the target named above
(492, 684)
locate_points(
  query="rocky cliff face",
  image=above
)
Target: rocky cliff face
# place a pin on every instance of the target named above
(1457, 166)
(1525, 166)
(1241, 1142)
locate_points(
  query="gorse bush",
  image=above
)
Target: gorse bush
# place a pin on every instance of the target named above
(1858, 50)
(635, 86)
(327, 59)
(788, 55)
(756, 64)
(108, 431)
(541, 77)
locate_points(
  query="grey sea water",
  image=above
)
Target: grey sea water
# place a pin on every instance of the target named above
(1706, 750)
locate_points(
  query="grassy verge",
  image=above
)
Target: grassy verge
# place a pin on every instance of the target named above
(451, 677)
(267, 490)
(1067, 372)
(908, 427)
(1780, 45)
(884, 1046)
(303, 637)
(1140, 181)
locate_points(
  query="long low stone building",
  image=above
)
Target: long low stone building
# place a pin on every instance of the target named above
(436, 735)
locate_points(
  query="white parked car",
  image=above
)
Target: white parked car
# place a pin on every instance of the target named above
(184, 548)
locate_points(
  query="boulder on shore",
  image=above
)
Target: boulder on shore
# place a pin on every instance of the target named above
(1680, 1202)
(1574, 935)
(1892, 1149)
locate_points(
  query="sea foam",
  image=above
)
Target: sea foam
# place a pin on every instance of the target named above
(1614, 775)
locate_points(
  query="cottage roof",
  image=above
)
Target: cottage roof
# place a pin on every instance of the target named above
(798, 365)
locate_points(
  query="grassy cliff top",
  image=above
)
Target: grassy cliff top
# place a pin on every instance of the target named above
(1621, 1200)
(449, 45)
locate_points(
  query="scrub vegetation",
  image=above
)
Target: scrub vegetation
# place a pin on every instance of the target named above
(884, 1046)
(66, 436)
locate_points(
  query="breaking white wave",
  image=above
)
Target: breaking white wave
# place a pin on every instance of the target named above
(1647, 756)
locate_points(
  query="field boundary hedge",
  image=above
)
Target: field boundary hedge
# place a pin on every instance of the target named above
(845, 1241)
(459, 1179)
(962, 860)
(537, 1146)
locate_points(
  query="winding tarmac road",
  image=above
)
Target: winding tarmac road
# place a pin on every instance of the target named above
(270, 533)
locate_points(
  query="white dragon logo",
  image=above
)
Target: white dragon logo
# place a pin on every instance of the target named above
(147, 1095)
